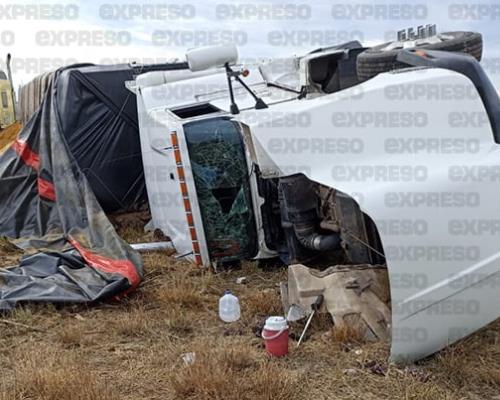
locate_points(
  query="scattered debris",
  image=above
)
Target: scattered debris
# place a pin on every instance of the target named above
(295, 313)
(315, 308)
(356, 296)
(101, 264)
(350, 371)
(189, 358)
(417, 372)
(155, 246)
(375, 367)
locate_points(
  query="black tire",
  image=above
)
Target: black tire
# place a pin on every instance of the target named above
(376, 60)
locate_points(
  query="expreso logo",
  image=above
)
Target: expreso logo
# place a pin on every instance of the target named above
(379, 173)
(418, 145)
(315, 146)
(379, 11)
(379, 119)
(250, 11)
(147, 11)
(83, 38)
(49, 12)
(430, 91)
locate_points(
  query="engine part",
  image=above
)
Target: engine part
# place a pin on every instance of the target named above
(299, 205)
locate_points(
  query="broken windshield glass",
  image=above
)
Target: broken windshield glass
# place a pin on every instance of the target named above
(220, 173)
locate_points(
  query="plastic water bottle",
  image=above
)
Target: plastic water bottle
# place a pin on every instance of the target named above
(229, 307)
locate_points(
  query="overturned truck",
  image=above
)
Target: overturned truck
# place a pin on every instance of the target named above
(345, 156)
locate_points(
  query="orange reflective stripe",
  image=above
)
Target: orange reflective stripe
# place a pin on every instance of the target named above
(185, 197)
(180, 172)
(175, 141)
(178, 159)
(184, 189)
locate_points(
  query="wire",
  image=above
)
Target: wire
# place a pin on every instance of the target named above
(362, 242)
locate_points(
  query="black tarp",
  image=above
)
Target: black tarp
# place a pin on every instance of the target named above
(99, 124)
(98, 119)
(47, 202)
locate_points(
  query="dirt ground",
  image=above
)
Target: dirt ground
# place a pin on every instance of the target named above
(135, 349)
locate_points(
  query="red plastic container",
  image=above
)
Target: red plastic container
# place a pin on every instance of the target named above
(275, 335)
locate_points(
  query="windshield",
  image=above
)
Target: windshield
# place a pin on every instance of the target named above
(220, 172)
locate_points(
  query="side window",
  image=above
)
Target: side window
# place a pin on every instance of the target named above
(5, 100)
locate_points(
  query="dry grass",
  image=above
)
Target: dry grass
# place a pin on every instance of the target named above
(262, 303)
(346, 334)
(131, 227)
(234, 371)
(40, 374)
(135, 324)
(181, 291)
(9, 254)
(134, 349)
(7, 248)
(71, 336)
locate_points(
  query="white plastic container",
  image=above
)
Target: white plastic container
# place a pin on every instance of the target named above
(229, 307)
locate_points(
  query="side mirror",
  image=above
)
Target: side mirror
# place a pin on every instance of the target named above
(203, 58)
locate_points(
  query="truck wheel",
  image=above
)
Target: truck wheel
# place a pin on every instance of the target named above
(382, 58)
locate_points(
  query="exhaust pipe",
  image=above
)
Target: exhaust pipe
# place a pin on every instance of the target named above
(309, 238)
(300, 200)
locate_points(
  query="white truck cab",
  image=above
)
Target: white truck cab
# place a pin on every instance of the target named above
(308, 162)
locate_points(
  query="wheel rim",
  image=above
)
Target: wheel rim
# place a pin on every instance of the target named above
(407, 44)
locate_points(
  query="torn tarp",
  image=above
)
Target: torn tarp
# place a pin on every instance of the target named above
(98, 119)
(46, 203)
